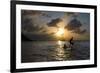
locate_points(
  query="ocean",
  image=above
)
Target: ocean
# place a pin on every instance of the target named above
(47, 51)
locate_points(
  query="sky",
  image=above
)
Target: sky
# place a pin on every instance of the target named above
(44, 25)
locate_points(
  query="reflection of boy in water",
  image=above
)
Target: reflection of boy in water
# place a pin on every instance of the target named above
(64, 46)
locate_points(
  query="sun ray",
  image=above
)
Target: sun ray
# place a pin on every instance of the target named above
(60, 32)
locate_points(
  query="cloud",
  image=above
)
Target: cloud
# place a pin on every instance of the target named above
(30, 12)
(54, 22)
(69, 13)
(29, 26)
(31, 31)
(72, 14)
(74, 26)
(30, 21)
(33, 12)
(79, 31)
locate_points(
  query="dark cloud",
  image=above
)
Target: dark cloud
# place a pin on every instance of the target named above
(70, 13)
(41, 36)
(46, 15)
(54, 22)
(30, 12)
(33, 12)
(28, 25)
(74, 26)
(79, 31)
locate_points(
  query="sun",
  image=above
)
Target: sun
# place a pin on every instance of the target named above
(60, 32)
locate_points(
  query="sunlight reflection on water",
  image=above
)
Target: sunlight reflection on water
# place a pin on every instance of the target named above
(60, 53)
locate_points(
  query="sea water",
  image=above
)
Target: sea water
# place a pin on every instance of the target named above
(45, 51)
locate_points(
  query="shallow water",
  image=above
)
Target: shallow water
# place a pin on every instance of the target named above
(44, 51)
